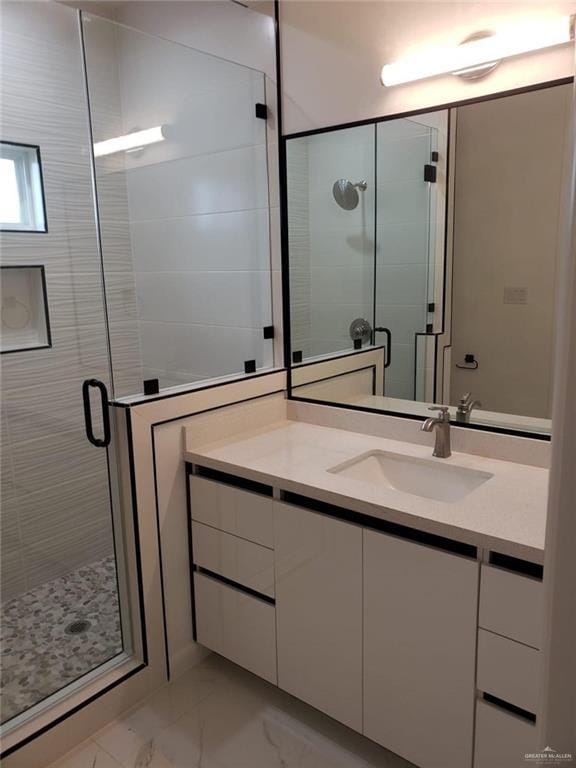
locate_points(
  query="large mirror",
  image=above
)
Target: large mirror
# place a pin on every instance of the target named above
(423, 260)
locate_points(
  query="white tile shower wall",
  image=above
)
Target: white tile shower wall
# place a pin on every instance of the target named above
(54, 483)
(198, 210)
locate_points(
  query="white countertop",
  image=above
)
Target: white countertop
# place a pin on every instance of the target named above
(507, 513)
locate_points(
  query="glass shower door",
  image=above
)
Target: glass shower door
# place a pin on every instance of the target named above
(331, 196)
(405, 254)
(62, 616)
(182, 188)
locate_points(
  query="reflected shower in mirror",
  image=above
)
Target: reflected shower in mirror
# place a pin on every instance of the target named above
(430, 242)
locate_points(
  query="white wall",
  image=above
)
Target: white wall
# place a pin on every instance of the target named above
(332, 54)
(511, 157)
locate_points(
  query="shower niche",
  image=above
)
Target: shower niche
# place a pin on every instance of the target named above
(23, 309)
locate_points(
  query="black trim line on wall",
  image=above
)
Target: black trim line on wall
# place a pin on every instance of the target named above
(428, 110)
(341, 375)
(134, 498)
(417, 335)
(160, 556)
(330, 358)
(218, 407)
(144, 400)
(189, 473)
(283, 192)
(418, 417)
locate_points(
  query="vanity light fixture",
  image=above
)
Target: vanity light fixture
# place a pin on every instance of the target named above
(481, 51)
(130, 141)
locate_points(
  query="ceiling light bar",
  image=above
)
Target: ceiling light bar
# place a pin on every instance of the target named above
(129, 141)
(513, 41)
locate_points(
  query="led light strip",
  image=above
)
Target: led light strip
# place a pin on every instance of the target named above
(512, 41)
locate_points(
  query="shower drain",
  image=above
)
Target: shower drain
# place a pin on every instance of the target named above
(77, 627)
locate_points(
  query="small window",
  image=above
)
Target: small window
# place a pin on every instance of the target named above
(21, 191)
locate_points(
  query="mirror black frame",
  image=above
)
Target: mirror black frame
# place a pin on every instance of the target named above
(289, 365)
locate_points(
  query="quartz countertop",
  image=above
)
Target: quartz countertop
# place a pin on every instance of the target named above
(507, 513)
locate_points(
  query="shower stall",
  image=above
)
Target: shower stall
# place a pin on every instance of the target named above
(366, 242)
(134, 222)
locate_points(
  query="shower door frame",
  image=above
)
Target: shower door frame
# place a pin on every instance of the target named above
(56, 724)
(65, 723)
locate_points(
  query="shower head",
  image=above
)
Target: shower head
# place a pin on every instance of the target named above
(346, 193)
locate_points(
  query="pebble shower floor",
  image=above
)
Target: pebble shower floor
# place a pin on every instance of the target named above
(41, 650)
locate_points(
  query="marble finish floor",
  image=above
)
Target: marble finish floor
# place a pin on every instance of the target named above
(38, 656)
(219, 716)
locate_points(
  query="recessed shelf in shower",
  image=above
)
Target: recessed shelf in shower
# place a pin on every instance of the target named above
(24, 322)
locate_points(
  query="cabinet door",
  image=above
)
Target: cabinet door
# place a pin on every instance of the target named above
(420, 607)
(319, 611)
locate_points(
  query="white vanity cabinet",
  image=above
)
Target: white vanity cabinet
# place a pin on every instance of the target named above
(402, 635)
(319, 611)
(233, 581)
(420, 610)
(510, 623)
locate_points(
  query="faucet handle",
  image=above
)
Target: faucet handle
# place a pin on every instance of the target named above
(444, 411)
(466, 398)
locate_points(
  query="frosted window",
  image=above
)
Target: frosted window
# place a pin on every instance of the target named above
(21, 193)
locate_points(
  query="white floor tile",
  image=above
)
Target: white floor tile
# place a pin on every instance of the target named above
(219, 716)
(88, 755)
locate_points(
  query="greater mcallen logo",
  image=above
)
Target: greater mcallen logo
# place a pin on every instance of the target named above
(549, 756)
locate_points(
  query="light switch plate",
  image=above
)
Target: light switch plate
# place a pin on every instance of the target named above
(515, 295)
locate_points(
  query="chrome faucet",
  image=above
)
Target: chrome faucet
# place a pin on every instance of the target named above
(442, 425)
(466, 406)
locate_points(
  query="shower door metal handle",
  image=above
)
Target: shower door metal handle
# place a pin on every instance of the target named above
(388, 344)
(98, 442)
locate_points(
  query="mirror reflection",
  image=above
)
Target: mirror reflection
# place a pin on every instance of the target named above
(423, 260)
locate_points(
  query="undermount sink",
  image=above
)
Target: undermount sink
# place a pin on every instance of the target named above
(419, 477)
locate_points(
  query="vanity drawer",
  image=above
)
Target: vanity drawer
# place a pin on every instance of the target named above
(511, 605)
(232, 510)
(508, 670)
(244, 562)
(502, 739)
(236, 625)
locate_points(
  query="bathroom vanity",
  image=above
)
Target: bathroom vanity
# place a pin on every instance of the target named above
(334, 565)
